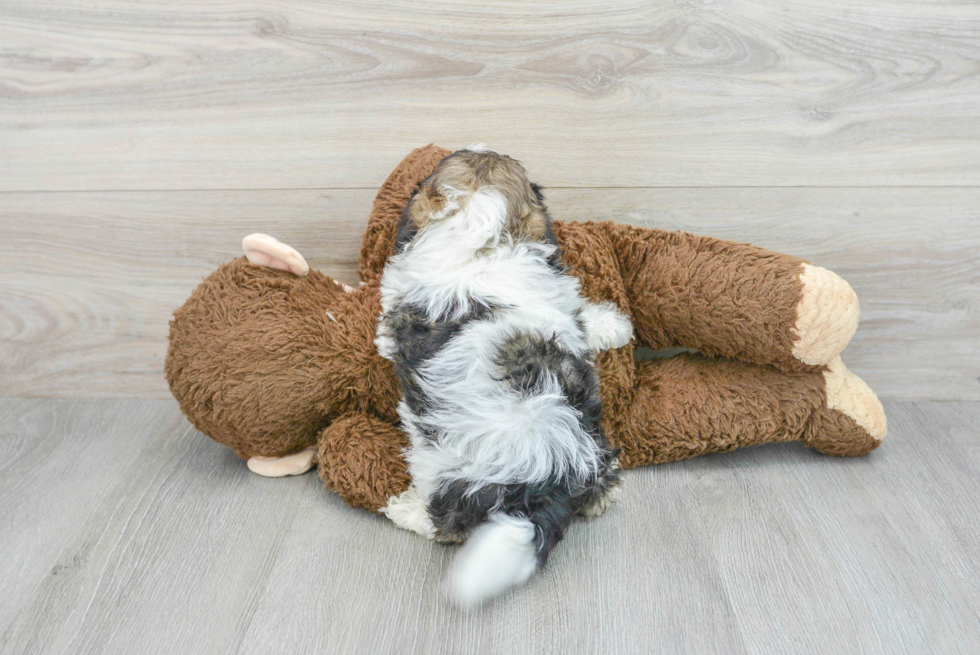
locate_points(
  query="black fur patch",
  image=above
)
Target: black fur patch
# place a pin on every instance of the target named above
(459, 508)
(418, 338)
(554, 261)
(527, 362)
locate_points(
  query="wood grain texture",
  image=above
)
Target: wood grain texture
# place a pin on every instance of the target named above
(173, 546)
(111, 94)
(88, 281)
(830, 543)
(164, 560)
(58, 459)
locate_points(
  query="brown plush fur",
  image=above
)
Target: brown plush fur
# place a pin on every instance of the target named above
(379, 238)
(268, 363)
(258, 364)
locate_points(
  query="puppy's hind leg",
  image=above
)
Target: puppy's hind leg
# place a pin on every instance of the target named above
(510, 546)
(606, 493)
(408, 511)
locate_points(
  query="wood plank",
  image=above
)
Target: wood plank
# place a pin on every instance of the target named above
(175, 547)
(941, 443)
(172, 554)
(819, 555)
(60, 460)
(628, 582)
(88, 281)
(112, 94)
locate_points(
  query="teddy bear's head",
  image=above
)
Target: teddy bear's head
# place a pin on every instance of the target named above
(258, 356)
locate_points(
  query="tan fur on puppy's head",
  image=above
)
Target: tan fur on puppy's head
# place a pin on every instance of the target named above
(476, 167)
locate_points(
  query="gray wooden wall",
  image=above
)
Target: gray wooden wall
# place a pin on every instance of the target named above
(140, 141)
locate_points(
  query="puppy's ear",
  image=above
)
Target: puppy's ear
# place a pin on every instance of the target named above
(533, 223)
(538, 191)
(533, 226)
(425, 205)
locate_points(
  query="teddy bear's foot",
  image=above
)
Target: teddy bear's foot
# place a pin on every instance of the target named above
(852, 422)
(407, 511)
(263, 250)
(826, 316)
(280, 467)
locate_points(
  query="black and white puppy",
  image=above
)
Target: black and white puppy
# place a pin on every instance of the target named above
(494, 347)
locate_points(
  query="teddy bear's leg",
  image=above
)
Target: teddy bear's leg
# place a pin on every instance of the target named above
(279, 467)
(851, 414)
(691, 405)
(263, 250)
(732, 299)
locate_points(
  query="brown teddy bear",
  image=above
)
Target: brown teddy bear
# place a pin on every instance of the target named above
(278, 362)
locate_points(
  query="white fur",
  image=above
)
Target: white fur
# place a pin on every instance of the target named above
(499, 555)
(488, 432)
(407, 511)
(605, 326)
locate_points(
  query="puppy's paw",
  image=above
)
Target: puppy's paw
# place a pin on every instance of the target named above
(598, 508)
(407, 511)
(605, 326)
(385, 345)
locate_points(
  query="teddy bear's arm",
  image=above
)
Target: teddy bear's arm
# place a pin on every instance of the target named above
(732, 299)
(360, 458)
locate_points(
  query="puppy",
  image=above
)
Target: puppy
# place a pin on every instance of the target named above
(494, 347)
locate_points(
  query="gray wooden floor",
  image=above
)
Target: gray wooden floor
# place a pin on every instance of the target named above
(126, 531)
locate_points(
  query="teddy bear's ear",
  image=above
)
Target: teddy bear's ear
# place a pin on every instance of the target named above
(263, 250)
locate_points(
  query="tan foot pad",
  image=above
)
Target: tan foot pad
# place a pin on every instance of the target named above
(826, 316)
(850, 395)
(263, 250)
(280, 467)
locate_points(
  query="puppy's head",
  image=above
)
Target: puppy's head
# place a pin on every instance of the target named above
(478, 180)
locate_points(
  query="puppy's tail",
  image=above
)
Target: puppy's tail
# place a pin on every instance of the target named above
(500, 554)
